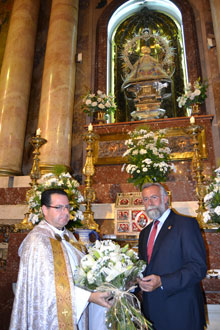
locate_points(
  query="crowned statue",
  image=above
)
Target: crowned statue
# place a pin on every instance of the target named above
(148, 77)
(146, 68)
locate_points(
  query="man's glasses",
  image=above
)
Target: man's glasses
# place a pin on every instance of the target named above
(151, 198)
(60, 208)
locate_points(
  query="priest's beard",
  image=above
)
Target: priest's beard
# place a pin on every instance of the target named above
(155, 212)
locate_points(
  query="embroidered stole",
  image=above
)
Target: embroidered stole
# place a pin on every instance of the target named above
(63, 292)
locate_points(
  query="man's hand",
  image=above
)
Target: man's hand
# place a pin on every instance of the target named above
(149, 283)
(100, 298)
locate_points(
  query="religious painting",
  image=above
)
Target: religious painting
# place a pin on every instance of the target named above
(134, 227)
(130, 217)
(137, 201)
(139, 220)
(122, 215)
(123, 227)
(124, 201)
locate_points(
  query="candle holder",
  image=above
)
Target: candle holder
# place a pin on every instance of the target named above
(197, 169)
(89, 171)
(36, 141)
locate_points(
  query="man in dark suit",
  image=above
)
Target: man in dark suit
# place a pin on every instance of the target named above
(176, 263)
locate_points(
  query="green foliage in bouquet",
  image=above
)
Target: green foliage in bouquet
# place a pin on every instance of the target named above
(212, 200)
(107, 262)
(125, 314)
(109, 267)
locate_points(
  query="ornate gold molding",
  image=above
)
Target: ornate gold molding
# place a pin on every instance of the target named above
(110, 147)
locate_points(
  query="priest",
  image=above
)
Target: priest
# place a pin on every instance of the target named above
(46, 297)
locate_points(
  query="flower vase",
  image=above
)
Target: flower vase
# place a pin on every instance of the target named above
(100, 117)
(195, 109)
(188, 111)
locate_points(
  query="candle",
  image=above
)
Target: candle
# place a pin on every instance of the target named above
(192, 120)
(38, 131)
(90, 127)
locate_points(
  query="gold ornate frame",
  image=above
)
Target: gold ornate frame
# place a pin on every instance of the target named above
(110, 147)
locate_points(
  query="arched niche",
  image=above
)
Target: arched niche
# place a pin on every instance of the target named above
(191, 42)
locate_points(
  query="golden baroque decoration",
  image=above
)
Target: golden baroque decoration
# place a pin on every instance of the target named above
(146, 35)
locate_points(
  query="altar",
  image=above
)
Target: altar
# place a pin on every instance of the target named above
(109, 179)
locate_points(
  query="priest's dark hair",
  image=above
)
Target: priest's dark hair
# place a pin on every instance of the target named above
(46, 195)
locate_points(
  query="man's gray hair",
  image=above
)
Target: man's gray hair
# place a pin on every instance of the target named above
(152, 184)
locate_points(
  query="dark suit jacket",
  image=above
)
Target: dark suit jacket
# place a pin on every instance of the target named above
(179, 258)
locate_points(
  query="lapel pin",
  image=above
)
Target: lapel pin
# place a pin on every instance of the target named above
(169, 227)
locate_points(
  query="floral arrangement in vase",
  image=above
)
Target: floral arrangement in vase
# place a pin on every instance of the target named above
(212, 200)
(63, 181)
(194, 94)
(148, 157)
(109, 267)
(100, 102)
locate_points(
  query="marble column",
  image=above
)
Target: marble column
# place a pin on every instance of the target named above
(215, 10)
(15, 82)
(57, 96)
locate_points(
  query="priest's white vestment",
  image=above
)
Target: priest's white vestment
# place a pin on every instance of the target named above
(40, 302)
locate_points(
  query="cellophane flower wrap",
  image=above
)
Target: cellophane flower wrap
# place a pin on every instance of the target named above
(109, 267)
(212, 200)
(148, 156)
(62, 180)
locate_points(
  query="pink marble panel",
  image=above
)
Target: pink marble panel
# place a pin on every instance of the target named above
(212, 241)
(12, 196)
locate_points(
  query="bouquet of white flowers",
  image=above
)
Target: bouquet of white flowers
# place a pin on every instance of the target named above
(60, 181)
(212, 200)
(101, 102)
(109, 267)
(148, 156)
(195, 94)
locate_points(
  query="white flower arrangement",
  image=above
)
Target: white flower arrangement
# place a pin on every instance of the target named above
(93, 103)
(109, 267)
(61, 181)
(148, 157)
(106, 261)
(212, 200)
(194, 94)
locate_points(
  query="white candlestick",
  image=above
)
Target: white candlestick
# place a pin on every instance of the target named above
(38, 131)
(192, 120)
(90, 127)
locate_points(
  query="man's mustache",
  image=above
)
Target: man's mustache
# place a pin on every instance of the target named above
(152, 208)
